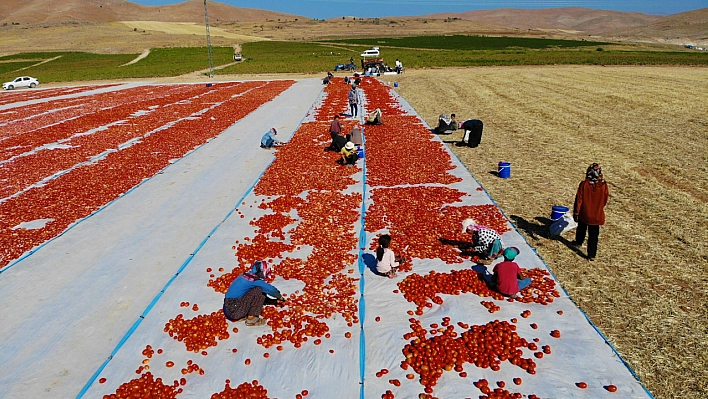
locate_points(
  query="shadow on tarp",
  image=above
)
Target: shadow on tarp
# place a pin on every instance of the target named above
(483, 273)
(536, 231)
(371, 262)
(465, 247)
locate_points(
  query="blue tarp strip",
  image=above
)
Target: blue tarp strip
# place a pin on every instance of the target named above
(362, 269)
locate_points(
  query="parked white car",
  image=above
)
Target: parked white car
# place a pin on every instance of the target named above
(372, 52)
(22, 81)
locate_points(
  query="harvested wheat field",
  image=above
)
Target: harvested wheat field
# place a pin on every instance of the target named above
(648, 128)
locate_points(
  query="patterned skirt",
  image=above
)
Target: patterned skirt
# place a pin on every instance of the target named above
(250, 304)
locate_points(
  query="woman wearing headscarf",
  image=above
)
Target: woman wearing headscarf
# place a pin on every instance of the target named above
(487, 242)
(589, 208)
(246, 295)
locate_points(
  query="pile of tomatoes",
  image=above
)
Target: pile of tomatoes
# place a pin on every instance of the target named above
(146, 386)
(336, 101)
(168, 131)
(420, 218)
(247, 390)
(32, 126)
(47, 93)
(402, 150)
(303, 164)
(200, 332)
(485, 346)
(422, 290)
(497, 393)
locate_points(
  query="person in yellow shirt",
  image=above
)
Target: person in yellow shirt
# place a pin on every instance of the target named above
(349, 155)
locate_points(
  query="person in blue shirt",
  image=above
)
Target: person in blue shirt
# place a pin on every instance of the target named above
(246, 295)
(268, 140)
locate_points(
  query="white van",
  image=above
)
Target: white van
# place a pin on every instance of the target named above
(372, 52)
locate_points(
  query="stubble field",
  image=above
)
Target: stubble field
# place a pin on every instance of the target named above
(647, 128)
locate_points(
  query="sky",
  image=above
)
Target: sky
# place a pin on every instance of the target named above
(324, 9)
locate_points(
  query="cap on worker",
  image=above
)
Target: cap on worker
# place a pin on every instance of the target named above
(349, 145)
(510, 253)
(467, 223)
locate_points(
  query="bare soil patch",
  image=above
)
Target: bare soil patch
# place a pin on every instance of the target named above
(647, 127)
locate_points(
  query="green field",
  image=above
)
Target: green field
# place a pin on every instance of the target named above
(11, 67)
(77, 66)
(467, 42)
(319, 57)
(299, 57)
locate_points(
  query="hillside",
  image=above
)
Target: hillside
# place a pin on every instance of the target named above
(684, 28)
(575, 18)
(48, 11)
(118, 26)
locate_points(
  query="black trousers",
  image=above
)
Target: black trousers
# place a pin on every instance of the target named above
(593, 234)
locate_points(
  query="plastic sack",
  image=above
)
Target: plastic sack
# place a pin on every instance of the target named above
(564, 224)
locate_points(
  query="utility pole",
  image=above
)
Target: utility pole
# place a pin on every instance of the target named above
(211, 60)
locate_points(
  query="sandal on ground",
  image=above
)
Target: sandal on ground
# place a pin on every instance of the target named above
(255, 322)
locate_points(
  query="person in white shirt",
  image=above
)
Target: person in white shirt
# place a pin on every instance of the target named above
(387, 262)
(399, 66)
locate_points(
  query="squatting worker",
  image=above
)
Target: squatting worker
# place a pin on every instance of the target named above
(349, 154)
(268, 140)
(487, 243)
(507, 278)
(589, 208)
(246, 295)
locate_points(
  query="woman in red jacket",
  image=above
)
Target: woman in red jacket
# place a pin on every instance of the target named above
(589, 209)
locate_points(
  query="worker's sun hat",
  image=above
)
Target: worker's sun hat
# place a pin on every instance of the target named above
(467, 223)
(349, 145)
(510, 253)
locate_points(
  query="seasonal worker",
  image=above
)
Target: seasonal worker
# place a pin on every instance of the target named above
(507, 277)
(589, 208)
(387, 261)
(247, 294)
(349, 155)
(268, 140)
(353, 97)
(486, 241)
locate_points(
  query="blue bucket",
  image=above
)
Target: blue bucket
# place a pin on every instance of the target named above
(395, 84)
(360, 152)
(504, 170)
(558, 212)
